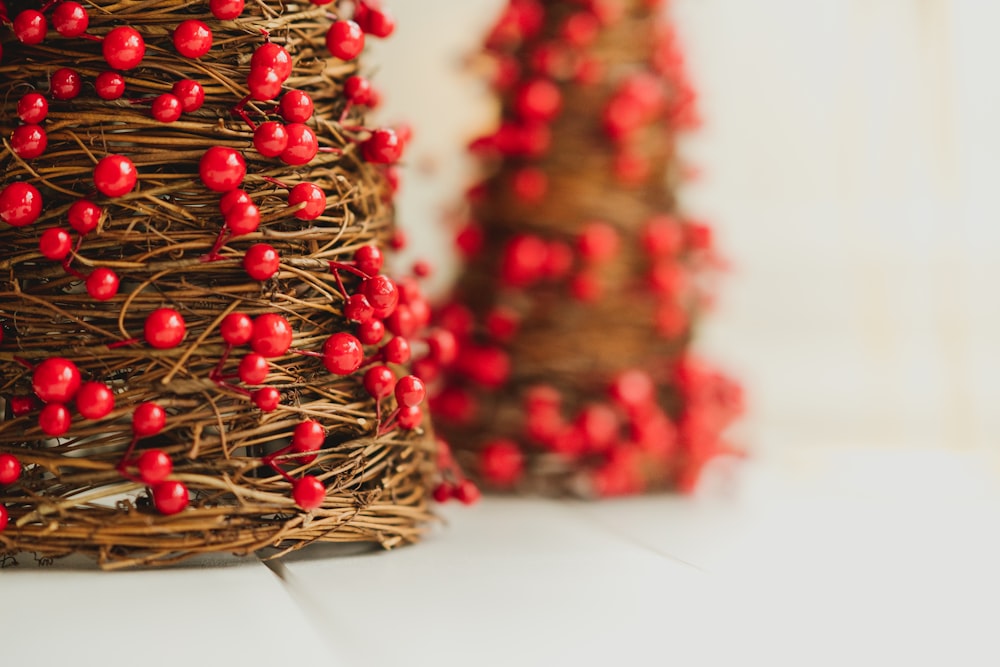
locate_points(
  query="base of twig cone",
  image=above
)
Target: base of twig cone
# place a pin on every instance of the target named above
(181, 377)
(574, 315)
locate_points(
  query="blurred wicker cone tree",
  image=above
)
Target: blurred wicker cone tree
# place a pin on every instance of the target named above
(562, 364)
(195, 355)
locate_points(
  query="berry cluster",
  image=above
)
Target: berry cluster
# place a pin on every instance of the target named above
(572, 321)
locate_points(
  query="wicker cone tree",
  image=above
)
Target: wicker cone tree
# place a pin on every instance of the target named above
(193, 214)
(574, 314)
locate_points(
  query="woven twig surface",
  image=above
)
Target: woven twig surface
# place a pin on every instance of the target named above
(158, 239)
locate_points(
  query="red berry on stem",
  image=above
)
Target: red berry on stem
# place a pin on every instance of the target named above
(501, 463)
(313, 198)
(410, 417)
(261, 261)
(30, 27)
(598, 242)
(10, 468)
(154, 466)
(380, 23)
(56, 380)
(231, 199)
(264, 84)
(396, 351)
(167, 108)
(271, 336)
(382, 294)
(358, 90)
(83, 216)
(467, 493)
(55, 243)
(192, 38)
(308, 493)
(342, 354)
(270, 139)
(109, 85)
(4, 518)
(410, 391)
(383, 147)
(20, 204)
(222, 169)
(54, 419)
(662, 236)
(296, 106)
(164, 328)
(115, 176)
(633, 388)
(529, 184)
(65, 83)
(442, 492)
(32, 108)
(401, 322)
(272, 56)
(379, 381)
(308, 436)
(95, 400)
(267, 399)
(302, 145)
(22, 405)
(190, 93)
(148, 419)
(369, 259)
(371, 332)
(253, 369)
(538, 100)
(442, 346)
(243, 218)
(345, 39)
(170, 497)
(102, 284)
(70, 19)
(236, 328)
(357, 308)
(123, 48)
(226, 10)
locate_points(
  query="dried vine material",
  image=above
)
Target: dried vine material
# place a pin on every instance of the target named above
(192, 218)
(569, 369)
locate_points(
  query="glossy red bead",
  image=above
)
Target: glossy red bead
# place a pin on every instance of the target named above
(342, 353)
(170, 497)
(382, 294)
(192, 38)
(154, 466)
(56, 380)
(308, 436)
(253, 369)
(20, 204)
(271, 335)
(70, 19)
(264, 84)
(501, 463)
(662, 236)
(272, 56)
(379, 381)
(115, 176)
(380, 23)
(54, 419)
(226, 10)
(4, 518)
(109, 85)
(308, 493)
(598, 242)
(190, 93)
(95, 400)
(84, 216)
(357, 308)
(371, 332)
(538, 100)
(10, 469)
(267, 399)
(270, 139)
(261, 261)
(55, 243)
(467, 493)
(30, 27)
(167, 108)
(345, 39)
(243, 218)
(23, 405)
(410, 417)
(296, 106)
(148, 419)
(164, 328)
(102, 284)
(312, 199)
(65, 84)
(236, 328)
(124, 48)
(231, 199)
(410, 391)
(32, 108)
(358, 90)
(383, 147)
(222, 169)
(442, 346)
(302, 145)
(396, 351)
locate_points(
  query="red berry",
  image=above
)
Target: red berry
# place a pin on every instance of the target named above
(369, 259)
(410, 417)
(345, 39)
(313, 198)
(95, 400)
(20, 204)
(296, 106)
(267, 399)
(302, 145)
(243, 218)
(192, 38)
(598, 424)
(442, 346)
(358, 90)
(581, 29)
(154, 466)
(264, 84)
(382, 294)
(261, 261)
(410, 391)
(633, 388)
(501, 463)
(222, 169)
(342, 354)
(401, 322)
(357, 308)
(4, 518)
(231, 199)
(236, 328)
(379, 23)
(65, 83)
(379, 381)
(662, 236)
(270, 138)
(23, 405)
(598, 242)
(538, 100)
(102, 284)
(54, 419)
(148, 419)
(522, 261)
(167, 108)
(115, 175)
(396, 351)
(253, 369)
(467, 493)
(70, 19)
(190, 93)
(164, 328)
(371, 332)
(170, 497)
(123, 48)
(442, 492)
(10, 468)
(529, 184)
(383, 147)
(308, 436)
(271, 336)
(56, 380)
(226, 10)
(83, 216)
(109, 85)
(30, 27)
(308, 493)
(32, 108)
(272, 56)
